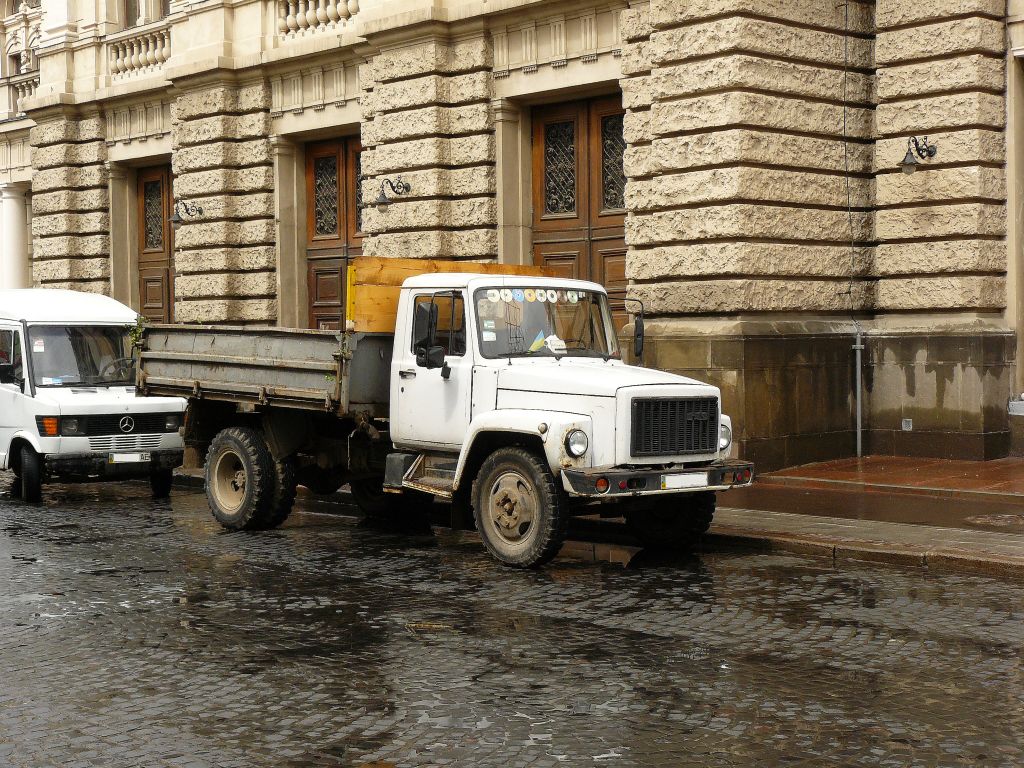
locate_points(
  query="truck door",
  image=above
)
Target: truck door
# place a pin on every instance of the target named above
(12, 369)
(433, 411)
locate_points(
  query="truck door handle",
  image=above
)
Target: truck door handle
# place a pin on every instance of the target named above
(407, 374)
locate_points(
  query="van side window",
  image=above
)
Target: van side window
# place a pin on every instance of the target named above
(10, 353)
(445, 315)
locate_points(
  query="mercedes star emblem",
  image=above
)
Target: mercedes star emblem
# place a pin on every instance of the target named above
(127, 424)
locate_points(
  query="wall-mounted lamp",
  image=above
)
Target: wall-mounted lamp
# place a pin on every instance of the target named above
(189, 209)
(398, 187)
(921, 148)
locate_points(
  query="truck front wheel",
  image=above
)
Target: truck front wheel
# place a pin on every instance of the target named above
(31, 475)
(519, 510)
(240, 480)
(673, 523)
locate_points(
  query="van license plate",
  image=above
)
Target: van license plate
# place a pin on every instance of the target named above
(128, 458)
(689, 480)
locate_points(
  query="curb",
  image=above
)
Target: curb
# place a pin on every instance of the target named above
(846, 551)
(814, 483)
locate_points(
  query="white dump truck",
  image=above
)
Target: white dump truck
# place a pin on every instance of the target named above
(68, 406)
(504, 394)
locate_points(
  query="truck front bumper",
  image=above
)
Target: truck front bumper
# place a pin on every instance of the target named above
(620, 482)
(93, 466)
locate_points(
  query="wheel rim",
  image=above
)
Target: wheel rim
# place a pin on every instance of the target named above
(229, 481)
(512, 508)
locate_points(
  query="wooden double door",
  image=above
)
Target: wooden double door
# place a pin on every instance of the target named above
(155, 244)
(579, 186)
(334, 225)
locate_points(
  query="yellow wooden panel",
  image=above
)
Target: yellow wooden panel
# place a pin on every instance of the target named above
(374, 285)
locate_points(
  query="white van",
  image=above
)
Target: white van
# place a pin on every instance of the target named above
(68, 406)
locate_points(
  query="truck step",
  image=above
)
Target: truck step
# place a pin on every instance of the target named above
(436, 480)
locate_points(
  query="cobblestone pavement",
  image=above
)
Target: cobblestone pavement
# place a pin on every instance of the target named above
(136, 633)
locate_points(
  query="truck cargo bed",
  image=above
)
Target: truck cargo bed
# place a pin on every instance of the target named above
(313, 370)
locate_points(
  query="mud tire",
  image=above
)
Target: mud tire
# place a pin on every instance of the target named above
(31, 476)
(283, 498)
(160, 481)
(673, 525)
(240, 479)
(513, 541)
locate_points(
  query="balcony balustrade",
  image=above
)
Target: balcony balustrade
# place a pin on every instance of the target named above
(139, 50)
(298, 18)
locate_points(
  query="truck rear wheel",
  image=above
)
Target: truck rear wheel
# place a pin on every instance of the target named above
(675, 523)
(31, 475)
(240, 479)
(519, 510)
(283, 498)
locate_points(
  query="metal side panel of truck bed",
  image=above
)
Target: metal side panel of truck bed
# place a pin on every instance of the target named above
(312, 370)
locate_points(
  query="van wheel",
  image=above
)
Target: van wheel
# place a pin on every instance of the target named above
(161, 480)
(674, 524)
(519, 511)
(240, 480)
(283, 499)
(31, 475)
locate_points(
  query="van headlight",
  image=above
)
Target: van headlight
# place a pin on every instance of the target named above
(172, 422)
(724, 437)
(70, 427)
(576, 443)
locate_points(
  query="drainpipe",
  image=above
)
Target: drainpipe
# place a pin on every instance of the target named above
(858, 348)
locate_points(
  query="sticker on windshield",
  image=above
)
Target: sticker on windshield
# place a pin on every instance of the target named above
(529, 294)
(572, 297)
(494, 295)
(542, 295)
(506, 295)
(552, 296)
(38, 346)
(518, 294)
(490, 336)
(489, 325)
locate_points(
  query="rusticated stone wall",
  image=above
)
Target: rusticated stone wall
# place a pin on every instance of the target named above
(941, 73)
(426, 118)
(225, 259)
(738, 188)
(70, 205)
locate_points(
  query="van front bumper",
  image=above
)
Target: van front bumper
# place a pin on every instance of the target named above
(93, 466)
(650, 481)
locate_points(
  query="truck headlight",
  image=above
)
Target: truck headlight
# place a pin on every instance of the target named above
(172, 423)
(70, 427)
(724, 437)
(576, 443)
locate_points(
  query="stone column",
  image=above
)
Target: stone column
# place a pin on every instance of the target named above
(14, 266)
(513, 195)
(292, 300)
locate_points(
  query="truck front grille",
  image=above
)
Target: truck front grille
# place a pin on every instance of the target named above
(672, 426)
(110, 424)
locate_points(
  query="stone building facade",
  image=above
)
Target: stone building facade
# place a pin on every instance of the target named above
(734, 164)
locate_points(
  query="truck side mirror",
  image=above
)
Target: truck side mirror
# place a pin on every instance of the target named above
(430, 357)
(638, 338)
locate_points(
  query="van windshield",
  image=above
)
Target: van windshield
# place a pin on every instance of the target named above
(539, 322)
(65, 355)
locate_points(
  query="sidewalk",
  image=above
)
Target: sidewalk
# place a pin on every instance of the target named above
(944, 514)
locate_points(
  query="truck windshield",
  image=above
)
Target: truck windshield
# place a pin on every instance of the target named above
(539, 322)
(65, 355)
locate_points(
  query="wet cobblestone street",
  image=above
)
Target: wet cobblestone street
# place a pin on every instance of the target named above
(135, 632)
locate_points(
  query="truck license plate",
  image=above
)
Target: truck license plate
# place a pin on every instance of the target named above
(128, 458)
(689, 480)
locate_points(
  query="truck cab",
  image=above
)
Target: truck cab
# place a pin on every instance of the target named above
(513, 391)
(68, 405)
